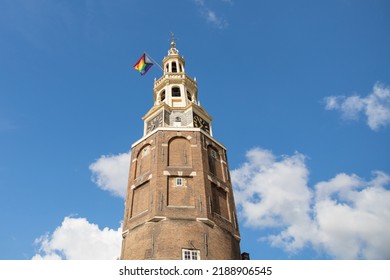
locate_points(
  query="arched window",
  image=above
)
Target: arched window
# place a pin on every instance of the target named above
(174, 67)
(176, 92)
(189, 97)
(179, 152)
(162, 96)
(143, 161)
(214, 161)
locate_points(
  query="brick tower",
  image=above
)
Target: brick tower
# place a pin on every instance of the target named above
(180, 202)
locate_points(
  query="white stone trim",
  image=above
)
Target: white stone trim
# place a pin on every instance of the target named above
(178, 129)
(157, 219)
(206, 221)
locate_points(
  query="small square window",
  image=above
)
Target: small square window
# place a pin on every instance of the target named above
(188, 254)
(179, 182)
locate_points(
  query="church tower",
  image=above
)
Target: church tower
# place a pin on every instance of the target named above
(180, 202)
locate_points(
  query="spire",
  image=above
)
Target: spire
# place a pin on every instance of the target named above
(173, 50)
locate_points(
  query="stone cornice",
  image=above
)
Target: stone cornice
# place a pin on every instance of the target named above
(173, 78)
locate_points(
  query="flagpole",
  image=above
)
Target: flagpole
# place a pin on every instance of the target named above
(154, 61)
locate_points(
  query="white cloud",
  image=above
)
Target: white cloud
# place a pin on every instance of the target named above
(111, 173)
(77, 239)
(353, 216)
(345, 217)
(375, 106)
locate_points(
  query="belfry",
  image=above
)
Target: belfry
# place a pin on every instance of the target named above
(179, 202)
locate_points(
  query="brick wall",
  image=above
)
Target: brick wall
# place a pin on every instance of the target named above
(161, 218)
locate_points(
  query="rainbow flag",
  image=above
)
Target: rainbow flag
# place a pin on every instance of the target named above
(143, 64)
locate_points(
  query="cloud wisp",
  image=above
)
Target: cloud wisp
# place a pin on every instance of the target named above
(345, 217)
(375, 106)
(211, 15)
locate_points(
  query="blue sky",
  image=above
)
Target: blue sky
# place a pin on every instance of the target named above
(299, 92)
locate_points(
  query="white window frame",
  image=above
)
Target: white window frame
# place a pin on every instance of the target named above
(190, 254)
(179, 181)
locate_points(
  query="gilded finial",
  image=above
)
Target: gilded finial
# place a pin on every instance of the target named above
(173, 43)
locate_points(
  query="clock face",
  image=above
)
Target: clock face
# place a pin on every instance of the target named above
(201, 123)
(154, 123)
